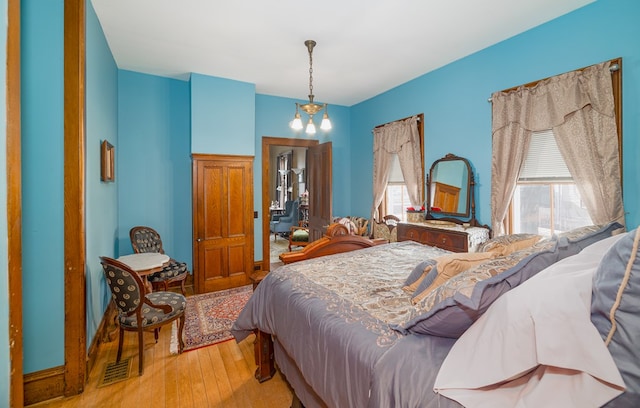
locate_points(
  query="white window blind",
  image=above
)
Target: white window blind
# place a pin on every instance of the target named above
(395, 175)
(544, 161)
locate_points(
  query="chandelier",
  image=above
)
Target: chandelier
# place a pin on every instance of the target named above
(311, 108)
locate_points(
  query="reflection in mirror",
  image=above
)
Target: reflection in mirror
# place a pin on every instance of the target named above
(449, 187)
(450, 190)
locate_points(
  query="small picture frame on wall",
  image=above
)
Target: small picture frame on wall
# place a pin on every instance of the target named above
(107, 162)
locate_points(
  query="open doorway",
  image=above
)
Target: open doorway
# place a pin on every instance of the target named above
(275, 145)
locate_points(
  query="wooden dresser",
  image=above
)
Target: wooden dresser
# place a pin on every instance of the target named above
(453, 238)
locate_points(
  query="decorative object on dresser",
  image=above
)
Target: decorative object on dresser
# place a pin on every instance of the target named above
(450, 220)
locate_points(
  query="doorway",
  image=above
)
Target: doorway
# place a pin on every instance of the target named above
(267, 143)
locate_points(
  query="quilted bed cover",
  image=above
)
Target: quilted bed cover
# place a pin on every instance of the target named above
(332, 320)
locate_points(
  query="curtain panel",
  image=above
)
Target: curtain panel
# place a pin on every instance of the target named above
(401, 138)
(579, 107)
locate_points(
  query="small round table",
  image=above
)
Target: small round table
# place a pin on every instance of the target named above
(145, 264)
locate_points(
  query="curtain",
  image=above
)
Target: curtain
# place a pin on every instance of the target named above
(401, 138)
(579, 107)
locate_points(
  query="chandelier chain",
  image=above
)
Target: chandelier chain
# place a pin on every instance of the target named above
(311, 74)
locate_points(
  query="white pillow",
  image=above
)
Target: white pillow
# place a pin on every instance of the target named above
(536, 345)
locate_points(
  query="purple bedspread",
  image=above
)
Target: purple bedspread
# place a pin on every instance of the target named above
(331, 316)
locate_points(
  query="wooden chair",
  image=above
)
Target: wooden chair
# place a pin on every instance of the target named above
(386, 228)
(298, 236)
(138, 311)
(146, 239)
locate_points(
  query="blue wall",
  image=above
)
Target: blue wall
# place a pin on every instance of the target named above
(222, 115)
(42, 184)
(153, 162)
(454, 98)
(43, 178)
(101, 198)
(5, 365)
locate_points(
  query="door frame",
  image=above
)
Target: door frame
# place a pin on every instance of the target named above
(267, 142)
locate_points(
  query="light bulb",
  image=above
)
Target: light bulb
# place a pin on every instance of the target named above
(296, 124)
(326, 123)
(311, 128)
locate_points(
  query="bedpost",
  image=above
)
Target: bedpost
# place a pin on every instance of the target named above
(266, 367)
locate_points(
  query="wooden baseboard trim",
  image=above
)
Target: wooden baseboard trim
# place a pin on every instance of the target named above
(106, 333)
(43, 385)
(49, 383)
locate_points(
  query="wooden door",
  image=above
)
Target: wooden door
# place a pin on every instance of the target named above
(319, 166)
(222, 221)
(446, 197)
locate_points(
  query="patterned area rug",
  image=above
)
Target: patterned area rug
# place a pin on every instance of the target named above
(209, 317)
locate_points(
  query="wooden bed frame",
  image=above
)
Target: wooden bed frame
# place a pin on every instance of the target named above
(336, 240)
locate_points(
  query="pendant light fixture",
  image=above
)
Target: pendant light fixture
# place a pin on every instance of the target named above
(311, 108)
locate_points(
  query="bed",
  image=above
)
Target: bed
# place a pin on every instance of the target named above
(348, 332)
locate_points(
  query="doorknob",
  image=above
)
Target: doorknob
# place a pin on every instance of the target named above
(199, 240)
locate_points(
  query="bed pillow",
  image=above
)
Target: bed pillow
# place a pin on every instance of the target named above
(446, 268)
(536, 345)
(450, 309)
(615, 309)
(506, 244)
(423, 272)
(575, 240)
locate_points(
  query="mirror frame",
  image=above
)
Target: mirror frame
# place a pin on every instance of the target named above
(459, 218)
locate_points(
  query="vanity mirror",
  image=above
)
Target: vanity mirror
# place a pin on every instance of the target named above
(450, 191)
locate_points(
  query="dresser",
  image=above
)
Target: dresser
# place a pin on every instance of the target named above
(455, 238)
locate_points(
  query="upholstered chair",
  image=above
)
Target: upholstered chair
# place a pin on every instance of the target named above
(146, 239)
(386, 228)
(298, 237)
(355, 225)
(286, 221)
(138, 311)
(287, 211)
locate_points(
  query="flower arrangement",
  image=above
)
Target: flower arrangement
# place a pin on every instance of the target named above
(413, 209)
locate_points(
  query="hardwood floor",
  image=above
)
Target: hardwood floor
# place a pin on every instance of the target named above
(216, 376)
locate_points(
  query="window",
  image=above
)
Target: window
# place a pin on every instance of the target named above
(397, 200)
(546, 201)
(392, 196)
(396, 195)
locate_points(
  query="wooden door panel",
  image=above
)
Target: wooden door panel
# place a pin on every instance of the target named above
(237, 258)
(212, 201)
(223, 221)
(237, 202)
(213, 261)
(320, 189)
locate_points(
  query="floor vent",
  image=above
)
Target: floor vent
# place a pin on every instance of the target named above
(115, 372)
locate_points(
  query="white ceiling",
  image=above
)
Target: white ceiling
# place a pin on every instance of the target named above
(364, 47)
